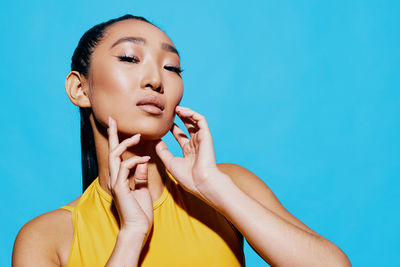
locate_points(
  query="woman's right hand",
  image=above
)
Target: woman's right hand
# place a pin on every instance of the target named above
(135, 208)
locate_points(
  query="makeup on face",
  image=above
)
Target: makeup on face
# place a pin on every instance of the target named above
(151, 104)
(136, 73)
(151, 109)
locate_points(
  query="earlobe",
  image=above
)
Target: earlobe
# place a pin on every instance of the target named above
(75, 90)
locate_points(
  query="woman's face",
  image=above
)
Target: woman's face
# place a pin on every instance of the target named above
(124, 72)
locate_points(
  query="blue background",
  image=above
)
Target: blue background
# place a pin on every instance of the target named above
(305, 94)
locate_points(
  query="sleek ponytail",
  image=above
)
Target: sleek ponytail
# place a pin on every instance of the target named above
(81, 63)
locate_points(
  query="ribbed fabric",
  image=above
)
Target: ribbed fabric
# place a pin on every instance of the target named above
(186, 231)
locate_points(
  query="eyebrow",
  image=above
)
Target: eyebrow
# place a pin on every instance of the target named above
(142, 41)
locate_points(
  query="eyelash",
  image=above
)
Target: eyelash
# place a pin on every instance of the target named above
(135, 60)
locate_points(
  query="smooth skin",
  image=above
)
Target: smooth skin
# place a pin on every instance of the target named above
(112, 89)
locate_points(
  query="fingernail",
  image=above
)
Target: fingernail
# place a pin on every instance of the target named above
(136, 136)
(146, 157)
(109, 121)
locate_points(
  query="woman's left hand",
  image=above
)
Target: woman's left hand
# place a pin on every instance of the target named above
(197, 167)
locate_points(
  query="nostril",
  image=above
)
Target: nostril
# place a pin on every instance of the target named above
(153, 86)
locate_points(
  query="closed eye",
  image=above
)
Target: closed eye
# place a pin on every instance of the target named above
(129, 59)
(174, 69)
(134, 59)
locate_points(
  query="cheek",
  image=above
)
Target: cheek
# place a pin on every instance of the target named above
(176, 93)
(111, 90)
(113, 78)
(174, 99)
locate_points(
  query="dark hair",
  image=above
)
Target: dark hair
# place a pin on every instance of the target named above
(81, 63)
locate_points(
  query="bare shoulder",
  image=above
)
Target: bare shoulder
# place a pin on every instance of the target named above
(40, 240)
(243, 178)
(250, 183)
(257, 189)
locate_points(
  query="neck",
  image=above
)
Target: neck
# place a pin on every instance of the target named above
(156, 168)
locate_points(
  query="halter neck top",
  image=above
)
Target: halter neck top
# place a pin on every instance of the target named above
(186, 231)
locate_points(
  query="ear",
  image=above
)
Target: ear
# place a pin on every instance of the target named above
(76, 91)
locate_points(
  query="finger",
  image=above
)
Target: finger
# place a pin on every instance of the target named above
(112, 143)
(112, 133)
(141, 172)
(139, 179)
(113, 166)
(179, 135)
(141, 176)
(125, 167)
(114, 156)
(117, 151)
(164, 154)
(190, 125)
(197, 118)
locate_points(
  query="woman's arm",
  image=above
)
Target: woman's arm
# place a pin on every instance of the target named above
(127, 249)
(134, 206)
(35, 242)
(278, 241)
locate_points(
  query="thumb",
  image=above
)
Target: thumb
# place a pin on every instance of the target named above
(164, 154)
(141, 175)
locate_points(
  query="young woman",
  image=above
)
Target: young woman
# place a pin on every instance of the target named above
(141, 205)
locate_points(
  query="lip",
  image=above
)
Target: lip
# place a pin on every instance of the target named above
(151, 104)
(151, 109)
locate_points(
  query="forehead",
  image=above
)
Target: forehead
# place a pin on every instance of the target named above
(136, 28)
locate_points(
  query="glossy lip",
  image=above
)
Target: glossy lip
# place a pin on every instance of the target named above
(151, 100)
(152, 109)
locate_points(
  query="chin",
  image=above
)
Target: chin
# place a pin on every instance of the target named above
(149, 130)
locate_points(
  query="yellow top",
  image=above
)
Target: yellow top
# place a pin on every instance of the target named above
(186, 231)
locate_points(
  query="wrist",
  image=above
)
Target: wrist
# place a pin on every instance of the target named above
(215, 183)
(127, 248)
(214, 180)
(131, 235)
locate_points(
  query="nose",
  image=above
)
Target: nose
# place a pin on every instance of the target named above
(151, 78)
